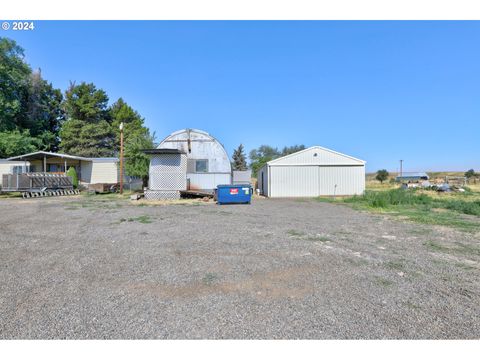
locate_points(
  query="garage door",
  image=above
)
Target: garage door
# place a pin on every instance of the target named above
(294, 181)
(309, 181)
(341, 180)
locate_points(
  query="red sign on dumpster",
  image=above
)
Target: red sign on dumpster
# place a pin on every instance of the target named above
(233, 191)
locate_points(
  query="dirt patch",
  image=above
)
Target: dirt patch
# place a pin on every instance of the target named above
(285, 283)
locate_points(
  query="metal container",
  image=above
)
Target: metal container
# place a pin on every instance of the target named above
(234, 194)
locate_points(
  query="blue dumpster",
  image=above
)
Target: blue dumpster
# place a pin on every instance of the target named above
(234, 194)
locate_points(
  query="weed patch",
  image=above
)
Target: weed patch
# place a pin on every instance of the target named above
(144, 219)
(295, 233)
(209, 278)
(436, 246)
(395, 265)
(420, 207)
(458, 248)
(317, 238)
(384, 282)
(412, 306)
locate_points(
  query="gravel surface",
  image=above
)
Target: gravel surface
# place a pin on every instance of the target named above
(88, 267)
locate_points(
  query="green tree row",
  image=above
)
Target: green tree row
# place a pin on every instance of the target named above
(30, 108)
(265, 153)
(36, 116)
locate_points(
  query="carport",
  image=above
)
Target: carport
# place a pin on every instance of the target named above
(47, 162)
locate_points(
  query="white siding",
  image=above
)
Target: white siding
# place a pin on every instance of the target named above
(316, 155)
(298, 181)
(349, 180)
(104, 172)
(203, 147)
(205, 181)
(6, 167)
(311, 181)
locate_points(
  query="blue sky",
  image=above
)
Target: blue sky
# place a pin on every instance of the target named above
(379, 91)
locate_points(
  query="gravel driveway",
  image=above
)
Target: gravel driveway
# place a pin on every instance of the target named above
(89, 267)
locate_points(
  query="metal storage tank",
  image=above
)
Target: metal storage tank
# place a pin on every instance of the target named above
(208, 164)
(315, 171)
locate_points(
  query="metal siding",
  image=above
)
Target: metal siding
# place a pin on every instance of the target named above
(104, 172)
(311, 181)
(298, 181)
(207, 181)
(349, 180)
(324, 157)
(203, 147)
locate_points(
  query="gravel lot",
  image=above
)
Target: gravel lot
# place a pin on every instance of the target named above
(90, 267)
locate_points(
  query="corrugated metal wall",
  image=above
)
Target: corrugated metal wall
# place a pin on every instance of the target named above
(349, 180)
(316, 156)
(207, 182)
(203, 147)
(309, 181)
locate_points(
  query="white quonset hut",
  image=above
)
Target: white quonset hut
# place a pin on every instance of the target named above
(315, 171)
(208, 164)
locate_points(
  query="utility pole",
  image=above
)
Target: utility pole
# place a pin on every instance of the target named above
(401, 168)
(121, 158)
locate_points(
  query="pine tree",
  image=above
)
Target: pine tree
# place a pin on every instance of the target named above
(239, 159)
(87, 131)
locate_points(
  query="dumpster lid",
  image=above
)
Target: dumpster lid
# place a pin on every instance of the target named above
(233, 185)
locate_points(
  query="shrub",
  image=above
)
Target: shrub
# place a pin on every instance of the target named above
(470, 173)
(73, 174)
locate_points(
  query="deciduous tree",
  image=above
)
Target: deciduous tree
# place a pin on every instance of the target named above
(262, 155)
(13, 143)
(382, 175)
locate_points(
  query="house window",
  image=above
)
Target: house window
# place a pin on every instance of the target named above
(55, 168)
(20, 169)
(201, 166)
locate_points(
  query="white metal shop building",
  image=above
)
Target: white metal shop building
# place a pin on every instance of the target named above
(312, 172)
